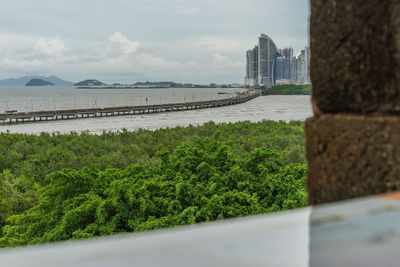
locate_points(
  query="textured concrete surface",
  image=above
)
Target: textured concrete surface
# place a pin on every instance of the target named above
(277, 240)
(351, 156)
(355, 55)
(361, 232)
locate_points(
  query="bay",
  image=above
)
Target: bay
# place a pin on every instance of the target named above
(43, 98)
(278, 108)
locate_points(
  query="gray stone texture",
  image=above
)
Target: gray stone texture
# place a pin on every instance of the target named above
(355, 55)
(351, 156)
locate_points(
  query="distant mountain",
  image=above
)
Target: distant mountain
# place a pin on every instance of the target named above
(38, 82)
(58, 81)
(91, 82)
(23, 80)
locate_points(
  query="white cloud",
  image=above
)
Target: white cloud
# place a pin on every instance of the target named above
(121, 42)
(118, 58)
(125, 55)
(221, 61)
(50, 47)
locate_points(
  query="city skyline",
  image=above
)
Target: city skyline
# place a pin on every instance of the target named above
(267, 65)
(129, 41)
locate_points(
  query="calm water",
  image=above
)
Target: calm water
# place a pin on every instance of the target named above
(277, 108)
(23, 98)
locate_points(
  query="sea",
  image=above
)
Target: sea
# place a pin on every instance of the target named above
(25, 99)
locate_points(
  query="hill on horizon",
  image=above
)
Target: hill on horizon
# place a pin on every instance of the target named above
(38, 82)
(90, 82)
(23, 80)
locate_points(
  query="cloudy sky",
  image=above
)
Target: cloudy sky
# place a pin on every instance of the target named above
(198, 41)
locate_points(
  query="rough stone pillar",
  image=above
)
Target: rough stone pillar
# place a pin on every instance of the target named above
(353, 140)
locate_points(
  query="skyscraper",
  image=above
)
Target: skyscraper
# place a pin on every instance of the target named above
(249, 80)
(267, 54)
(282, 68)
(300, 67)
(287, 53)
(283, 64)
(307, 65)
(255, 62)
(293, 70)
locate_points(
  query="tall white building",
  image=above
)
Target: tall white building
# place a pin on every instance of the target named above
(267, 54)
(300, 67)
(251, 78)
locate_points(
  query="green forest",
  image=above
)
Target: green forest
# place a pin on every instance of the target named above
(69, 186)
(288, 89)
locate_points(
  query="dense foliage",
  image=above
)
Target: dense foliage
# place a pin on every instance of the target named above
(192, 184)
(61, 186)
(289, 89)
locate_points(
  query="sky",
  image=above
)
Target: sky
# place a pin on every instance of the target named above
(127, 41)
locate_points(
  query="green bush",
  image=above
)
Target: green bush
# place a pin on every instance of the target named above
(288, 89)
(192, 184)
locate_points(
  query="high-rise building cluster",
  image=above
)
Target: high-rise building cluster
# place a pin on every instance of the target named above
(268, 66)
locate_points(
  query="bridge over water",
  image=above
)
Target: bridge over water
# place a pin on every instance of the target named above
(68, 114)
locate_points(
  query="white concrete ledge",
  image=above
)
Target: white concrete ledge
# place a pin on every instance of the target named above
(361, 232)
(271, 240)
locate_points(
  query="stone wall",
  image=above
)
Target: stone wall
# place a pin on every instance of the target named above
(353, 140)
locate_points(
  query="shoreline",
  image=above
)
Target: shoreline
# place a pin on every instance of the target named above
(151, 87)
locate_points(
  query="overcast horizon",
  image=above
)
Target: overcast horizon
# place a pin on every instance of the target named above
(126, 41)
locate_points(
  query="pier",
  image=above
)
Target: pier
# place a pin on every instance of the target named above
(37, 116)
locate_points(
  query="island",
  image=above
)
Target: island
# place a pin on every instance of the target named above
(38, 82)
(91, 82)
